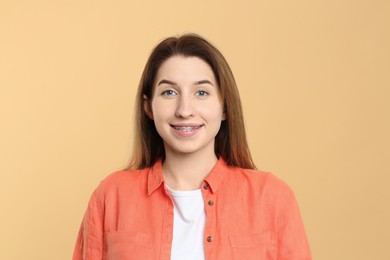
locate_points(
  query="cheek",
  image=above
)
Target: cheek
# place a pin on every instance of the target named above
(161, 111)
(213, 111)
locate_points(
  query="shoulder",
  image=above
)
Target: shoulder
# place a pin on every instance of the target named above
(119, 177)
(261, 181)
(121, 180)
(257, 176)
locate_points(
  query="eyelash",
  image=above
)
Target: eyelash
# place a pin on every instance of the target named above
(204, 93)
(170, 92)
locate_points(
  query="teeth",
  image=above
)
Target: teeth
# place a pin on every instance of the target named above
(186, 128)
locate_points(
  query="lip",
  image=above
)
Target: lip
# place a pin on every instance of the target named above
(186, 130)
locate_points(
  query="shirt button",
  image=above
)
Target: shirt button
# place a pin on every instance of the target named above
(209, 239)
(206, 186)
(211, 203)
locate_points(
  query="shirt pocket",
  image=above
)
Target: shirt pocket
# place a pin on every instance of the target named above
(128, 245)
(257, 246)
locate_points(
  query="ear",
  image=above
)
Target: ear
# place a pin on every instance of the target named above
(148, 107)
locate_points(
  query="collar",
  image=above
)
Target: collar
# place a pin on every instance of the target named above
(213, 179)
(155, 177)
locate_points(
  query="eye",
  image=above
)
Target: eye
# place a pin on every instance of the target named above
(168, 92)
(202, 93)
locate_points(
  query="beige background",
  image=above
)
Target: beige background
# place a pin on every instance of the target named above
(314, 80)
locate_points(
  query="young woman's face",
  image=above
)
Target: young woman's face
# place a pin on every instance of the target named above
(186, 105)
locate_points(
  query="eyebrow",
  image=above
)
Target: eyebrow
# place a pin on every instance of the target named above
(164, 81)
(204, 82)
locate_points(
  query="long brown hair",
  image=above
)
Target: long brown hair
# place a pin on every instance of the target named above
(230, 142)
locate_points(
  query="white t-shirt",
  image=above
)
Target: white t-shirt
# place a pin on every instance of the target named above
(188, 225)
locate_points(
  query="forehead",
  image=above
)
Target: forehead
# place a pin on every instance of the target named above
(185, 70)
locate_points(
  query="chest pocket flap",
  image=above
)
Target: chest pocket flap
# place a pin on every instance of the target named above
(256, 246)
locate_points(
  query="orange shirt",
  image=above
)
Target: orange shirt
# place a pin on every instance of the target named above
(250, 215)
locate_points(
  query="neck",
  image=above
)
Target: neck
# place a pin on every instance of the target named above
(187, 172)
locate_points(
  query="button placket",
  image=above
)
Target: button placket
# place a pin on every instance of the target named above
(210, 212)
(167, 229)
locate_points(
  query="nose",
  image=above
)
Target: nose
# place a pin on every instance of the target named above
(185, 108)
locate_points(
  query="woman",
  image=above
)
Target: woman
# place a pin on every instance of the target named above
(191, 190)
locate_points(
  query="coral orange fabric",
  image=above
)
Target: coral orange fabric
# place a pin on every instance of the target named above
(250, 215)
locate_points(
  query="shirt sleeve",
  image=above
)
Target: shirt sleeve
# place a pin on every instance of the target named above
(89, 244)
(292, 240)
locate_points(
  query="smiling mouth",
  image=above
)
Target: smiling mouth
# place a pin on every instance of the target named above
(186, 128)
